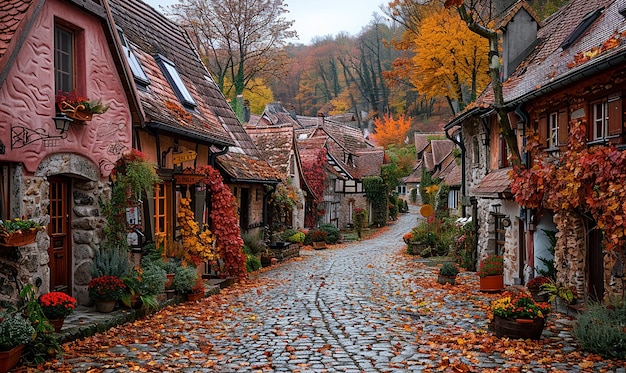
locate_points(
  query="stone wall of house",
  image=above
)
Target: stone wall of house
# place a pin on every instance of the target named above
(30, 263)
(570, 259)
(356, 201)
(570, 251)
(487, 235)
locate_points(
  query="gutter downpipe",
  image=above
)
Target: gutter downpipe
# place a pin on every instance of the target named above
(529, 228)
(213, 156)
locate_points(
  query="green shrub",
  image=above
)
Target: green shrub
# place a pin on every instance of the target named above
(110, 262)
(601, 330)
(448, 269)
(253, 263)
(15, 330)
(254, 242)
(332, 233)
(294, 237)
(393, 206)
(288, 233)
(152, 279)
(184, 279)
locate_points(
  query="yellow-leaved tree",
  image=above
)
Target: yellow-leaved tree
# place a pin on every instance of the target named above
(390, 131)
(449, 61)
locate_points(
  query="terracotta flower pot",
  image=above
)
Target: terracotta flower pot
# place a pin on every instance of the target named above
(492, 283)
(57, 324)
(446, 279)
(8, 359)
(105, 306)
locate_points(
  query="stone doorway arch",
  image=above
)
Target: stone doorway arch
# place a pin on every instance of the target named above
(75, 228)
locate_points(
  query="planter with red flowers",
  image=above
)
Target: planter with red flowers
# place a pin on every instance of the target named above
(79, 108)
(106, 291)
(56, 306)
(491, 272)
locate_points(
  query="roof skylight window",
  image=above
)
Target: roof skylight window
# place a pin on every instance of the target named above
(135, 66)
(581, 28)
(176, 82)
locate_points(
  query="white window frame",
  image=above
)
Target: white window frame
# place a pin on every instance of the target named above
(600, 120)
(176, 81)
(135, 66)
(553, 130)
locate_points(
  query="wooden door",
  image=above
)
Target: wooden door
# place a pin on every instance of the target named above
(595, 263)
(60, 238)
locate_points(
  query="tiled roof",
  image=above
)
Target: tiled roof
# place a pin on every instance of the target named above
(416, 175)
(275, 143)
(150, 33)
(12, 12)
(275, 115)
(549, 63)
(366, 163)
(422, 140)
(429, 163)
(244, 168)
(441, 149)
(452, 174)
(496, 182)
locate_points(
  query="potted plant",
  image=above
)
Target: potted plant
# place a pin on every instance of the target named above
(170, 266)
(184, 279)
(77, 107)
(15, 332)
(56, 306)
(142, 287)
(318, 238)
(106, 291)
(197, 291)
(18, 232)
(518, 316)
(447, 274)
(561, 295)
(491, 272)
(534, 287)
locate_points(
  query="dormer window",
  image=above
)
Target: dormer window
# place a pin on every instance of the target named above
(176, 82)
(135, 66)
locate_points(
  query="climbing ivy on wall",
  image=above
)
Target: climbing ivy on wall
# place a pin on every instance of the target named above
(376, 193)
(225, 223)
(587, 179)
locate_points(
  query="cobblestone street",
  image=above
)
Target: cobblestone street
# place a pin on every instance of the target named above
(359, 307)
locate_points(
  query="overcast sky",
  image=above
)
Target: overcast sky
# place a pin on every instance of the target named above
(321, 17)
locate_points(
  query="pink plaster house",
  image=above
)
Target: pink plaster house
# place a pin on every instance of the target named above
(55, 176)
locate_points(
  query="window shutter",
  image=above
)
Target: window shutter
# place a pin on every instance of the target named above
(616, 119)
(563, 123)
(543, 130)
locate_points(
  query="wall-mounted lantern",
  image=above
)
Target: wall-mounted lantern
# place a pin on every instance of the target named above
(62, 122)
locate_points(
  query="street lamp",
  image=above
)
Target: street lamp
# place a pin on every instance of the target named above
(62, 122)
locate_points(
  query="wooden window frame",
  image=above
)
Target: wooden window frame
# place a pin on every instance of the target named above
(60, 75)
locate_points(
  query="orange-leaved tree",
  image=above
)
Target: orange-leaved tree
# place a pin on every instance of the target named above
(390, 131)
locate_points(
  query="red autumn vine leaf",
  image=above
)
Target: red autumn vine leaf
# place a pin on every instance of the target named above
(590, 179)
